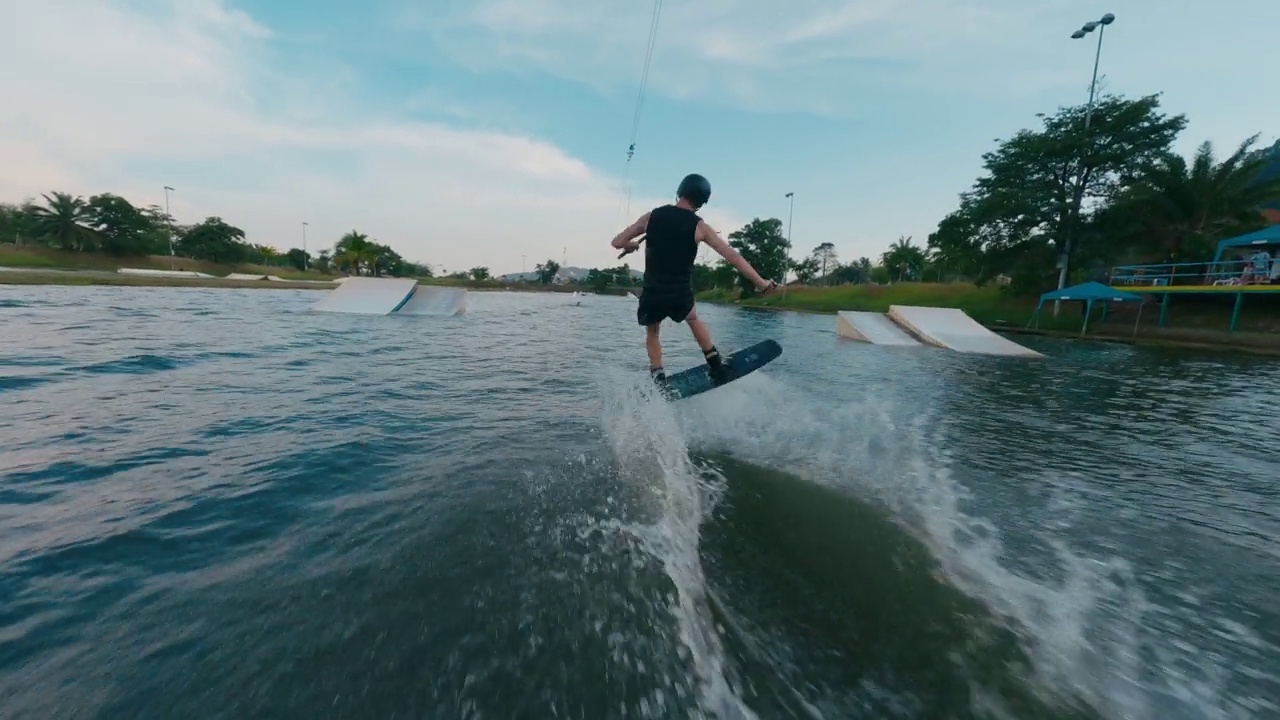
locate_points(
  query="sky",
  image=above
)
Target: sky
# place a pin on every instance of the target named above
(494, 132)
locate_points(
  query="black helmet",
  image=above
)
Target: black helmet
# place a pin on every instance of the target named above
(695, 189)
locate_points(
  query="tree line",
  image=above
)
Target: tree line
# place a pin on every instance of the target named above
(1108, 192)
(112, 225)
(1090, 187)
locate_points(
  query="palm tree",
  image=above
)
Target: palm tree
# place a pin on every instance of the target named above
(64, 220)
(268, 254)
(903, 258)
(1183, 207)
(354, 252)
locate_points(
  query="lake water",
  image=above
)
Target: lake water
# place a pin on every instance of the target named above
(217, 504)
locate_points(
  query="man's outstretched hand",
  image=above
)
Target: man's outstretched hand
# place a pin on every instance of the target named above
(630, 247)
(768, 287)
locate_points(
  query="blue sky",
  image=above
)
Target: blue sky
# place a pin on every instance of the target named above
(475, 133)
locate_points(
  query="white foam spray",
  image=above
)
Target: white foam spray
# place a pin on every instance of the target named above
(647, 442)
(1086, 632)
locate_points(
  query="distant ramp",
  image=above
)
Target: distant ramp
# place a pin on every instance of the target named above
(244, 276)
(871, 327)
(952, 328)
(163, 273)
(368, 296)
(428, 300)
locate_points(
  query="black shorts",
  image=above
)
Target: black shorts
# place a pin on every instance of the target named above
(656, 307)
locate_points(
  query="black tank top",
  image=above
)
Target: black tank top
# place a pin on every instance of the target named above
(670, 249)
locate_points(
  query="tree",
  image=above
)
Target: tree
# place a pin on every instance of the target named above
(1022, 211)
(264, 255)
(298, 258)
(64, 220)
(122, 229)
(704, 277)
(216, 241)
(479, 273)
(17, 223)
(854, 272)
(956, 247)
(903, 260)
(806, 269)
(354, 252)
(1179, 210)
(387, 261)
(762, 243)
(547, 271)
(825, 255)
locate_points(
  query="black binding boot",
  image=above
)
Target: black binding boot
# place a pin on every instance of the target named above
(715, 364)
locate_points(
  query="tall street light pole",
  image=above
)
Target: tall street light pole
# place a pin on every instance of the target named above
(1078, 194)
(304, 246)
(169, 217)
(791, 213)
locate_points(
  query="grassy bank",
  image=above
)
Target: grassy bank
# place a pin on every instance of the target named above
(1194, 321)
(31, 258)
(46, 266)
(42, 276)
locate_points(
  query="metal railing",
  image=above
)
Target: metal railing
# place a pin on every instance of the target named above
(1223, 272)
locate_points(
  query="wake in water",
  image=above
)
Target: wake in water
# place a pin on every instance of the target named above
(1083, 621)
(648, 445)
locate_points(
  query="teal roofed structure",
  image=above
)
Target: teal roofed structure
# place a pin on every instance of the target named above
(1090, 293)
(1258, 238)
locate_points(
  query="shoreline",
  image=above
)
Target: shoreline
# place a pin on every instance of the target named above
(106, 278)
(1265, 344)
(1258, 344)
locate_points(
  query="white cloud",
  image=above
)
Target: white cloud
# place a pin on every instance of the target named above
(802, 55)
(188, 94)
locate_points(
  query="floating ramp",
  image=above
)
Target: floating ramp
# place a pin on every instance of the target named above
(148, 272)
(386, 296)
(954, 329)
(368, 296)
(428, 300)
(871, 327)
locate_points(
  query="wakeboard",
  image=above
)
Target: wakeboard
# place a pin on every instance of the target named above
(699, 379)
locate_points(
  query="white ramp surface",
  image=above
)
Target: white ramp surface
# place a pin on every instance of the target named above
(368, 296)
(953, 329)
(427, 300)
(871, 327)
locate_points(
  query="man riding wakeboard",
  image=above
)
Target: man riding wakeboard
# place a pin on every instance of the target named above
(673, 233)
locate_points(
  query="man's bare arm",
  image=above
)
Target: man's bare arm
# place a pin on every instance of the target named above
(709, 236)
(631, 232)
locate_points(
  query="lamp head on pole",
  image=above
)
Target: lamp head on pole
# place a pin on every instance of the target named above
(790, 194)
(1093, 25)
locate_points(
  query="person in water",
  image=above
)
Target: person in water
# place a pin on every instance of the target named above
(673, 233)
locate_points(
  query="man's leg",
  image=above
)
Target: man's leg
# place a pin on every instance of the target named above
(654, 345)
(702, 336)
(650, 317)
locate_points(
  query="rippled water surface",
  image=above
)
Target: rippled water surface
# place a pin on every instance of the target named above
(218, 504)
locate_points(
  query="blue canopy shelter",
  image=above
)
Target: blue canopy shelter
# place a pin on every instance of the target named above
(1089, 293)
(1258, 238)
